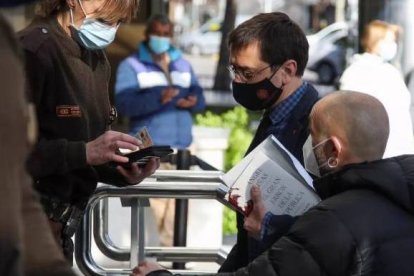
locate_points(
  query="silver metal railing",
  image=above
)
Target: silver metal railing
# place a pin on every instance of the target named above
(163, 184)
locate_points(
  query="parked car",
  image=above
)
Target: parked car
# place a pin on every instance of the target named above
(206, 40)
(327, 52)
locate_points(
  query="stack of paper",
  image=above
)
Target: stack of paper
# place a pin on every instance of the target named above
(285, 185)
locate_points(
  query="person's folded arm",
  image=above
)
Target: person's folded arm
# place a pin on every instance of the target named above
(131, 98)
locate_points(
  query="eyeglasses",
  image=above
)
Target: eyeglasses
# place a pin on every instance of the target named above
(245, 75)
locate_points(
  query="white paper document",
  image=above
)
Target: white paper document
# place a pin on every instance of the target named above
(285, 185)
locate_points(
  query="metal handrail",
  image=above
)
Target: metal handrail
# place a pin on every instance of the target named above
(163, 184)
(183, 254)
(100, 229)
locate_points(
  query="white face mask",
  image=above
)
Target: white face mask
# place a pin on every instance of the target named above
(387, 50)
(309, 157)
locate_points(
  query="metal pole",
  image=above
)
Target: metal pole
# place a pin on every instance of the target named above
(137, 232)
(181, 208)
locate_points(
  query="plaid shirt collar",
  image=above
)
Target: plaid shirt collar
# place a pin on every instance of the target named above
(284, 108)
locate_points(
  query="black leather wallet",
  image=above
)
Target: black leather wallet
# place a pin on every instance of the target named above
(142, 156)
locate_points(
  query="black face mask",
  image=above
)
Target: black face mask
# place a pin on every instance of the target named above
(256, 96)
(12, 3)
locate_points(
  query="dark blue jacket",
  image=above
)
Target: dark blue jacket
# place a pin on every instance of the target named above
(293, 137)
(139, 84)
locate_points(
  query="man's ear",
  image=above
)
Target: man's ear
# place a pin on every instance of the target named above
(335, 148)
(290, 67)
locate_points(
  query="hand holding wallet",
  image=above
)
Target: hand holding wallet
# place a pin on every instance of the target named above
(142, 156)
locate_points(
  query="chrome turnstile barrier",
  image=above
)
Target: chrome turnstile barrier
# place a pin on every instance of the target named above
(163, 184)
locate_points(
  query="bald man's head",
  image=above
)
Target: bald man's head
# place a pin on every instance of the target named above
(358, 120)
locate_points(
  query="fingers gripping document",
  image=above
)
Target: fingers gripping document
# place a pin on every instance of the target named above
(285, 185)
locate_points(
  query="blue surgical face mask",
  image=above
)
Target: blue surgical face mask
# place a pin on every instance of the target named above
(159, 44)
(92, 34)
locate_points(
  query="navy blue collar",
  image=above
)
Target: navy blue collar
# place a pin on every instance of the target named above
(284, 108)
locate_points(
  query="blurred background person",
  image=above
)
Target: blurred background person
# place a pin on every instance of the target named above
(157, 88)
(372, 73)
(68, 74)
(27, 246)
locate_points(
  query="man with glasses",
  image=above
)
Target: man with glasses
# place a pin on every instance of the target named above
(268, 56)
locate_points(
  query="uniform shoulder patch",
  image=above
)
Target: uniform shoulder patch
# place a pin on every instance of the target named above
(34, 37)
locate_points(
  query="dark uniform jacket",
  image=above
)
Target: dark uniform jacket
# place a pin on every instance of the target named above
(292, 137)
(26, 243)
(363, 227)
(69, 86)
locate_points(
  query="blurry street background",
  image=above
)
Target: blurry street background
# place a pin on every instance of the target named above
(332, 28)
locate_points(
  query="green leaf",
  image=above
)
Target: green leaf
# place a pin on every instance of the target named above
(238, 121)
